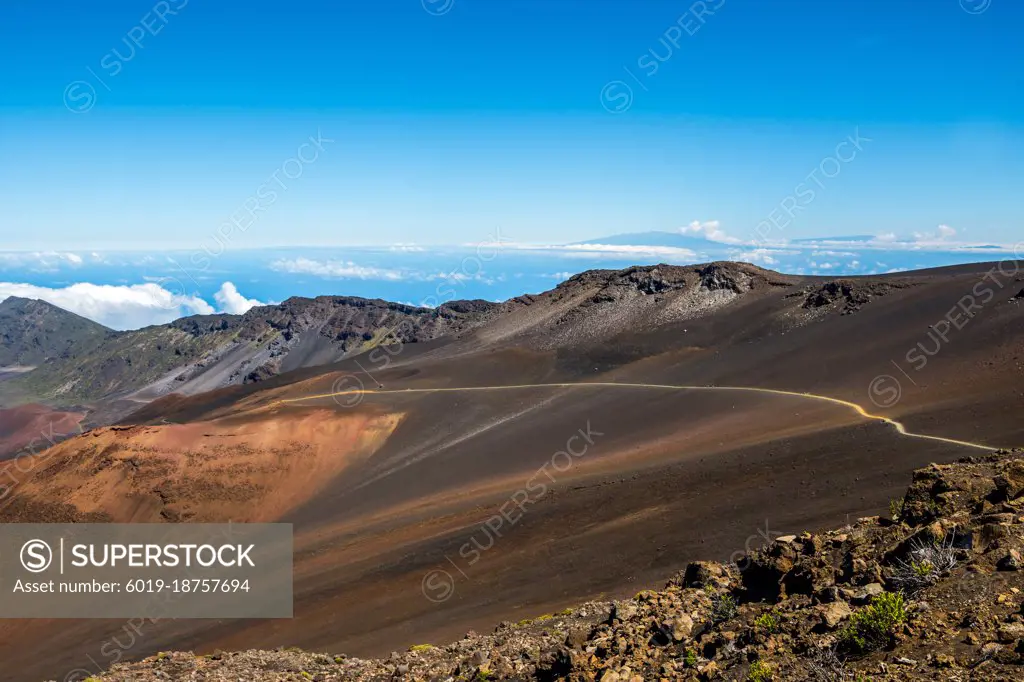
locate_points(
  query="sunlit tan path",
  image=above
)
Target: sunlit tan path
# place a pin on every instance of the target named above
(900, 428)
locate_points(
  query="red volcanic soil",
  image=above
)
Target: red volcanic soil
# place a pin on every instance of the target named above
(244, 469)
(420, 515)
(34, 428)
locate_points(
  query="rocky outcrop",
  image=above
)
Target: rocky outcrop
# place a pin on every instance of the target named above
(351, 322)
(931, 591)
(614, 285)
(851, 295)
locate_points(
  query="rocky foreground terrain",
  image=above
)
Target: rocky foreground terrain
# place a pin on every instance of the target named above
(930, 591)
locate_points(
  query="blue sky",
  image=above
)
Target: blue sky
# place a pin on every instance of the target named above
(491, 114)
(157, 125)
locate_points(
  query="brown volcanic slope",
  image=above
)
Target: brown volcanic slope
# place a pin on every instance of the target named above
(667, 475)
(28, 429)
(794, 606)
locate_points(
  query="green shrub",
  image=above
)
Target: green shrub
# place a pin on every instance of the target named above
(690, 659)
(873, 627)
(723, 607)
(760, 672)
(927, 561)
(767, 622)
(922, 569)
(896, 509)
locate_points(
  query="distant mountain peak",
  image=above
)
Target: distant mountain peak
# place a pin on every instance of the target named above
(41, 307)
(653, 238)
(33, 331)
(19, 302)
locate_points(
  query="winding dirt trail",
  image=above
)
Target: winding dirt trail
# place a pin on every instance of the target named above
(898, 426)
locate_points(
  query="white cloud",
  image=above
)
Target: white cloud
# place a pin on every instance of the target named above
(823, 266)
(603, 250)
(41, 261)
(349, 270)
(453, 276)
(763, 256)
(406, 247)
(709, 230)
(132, 306)
(832, 253)
(339, 269)
(720, 244)
(943, 233)
(941, 240)
(230, 301)
(118, 307)
(631, 249)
